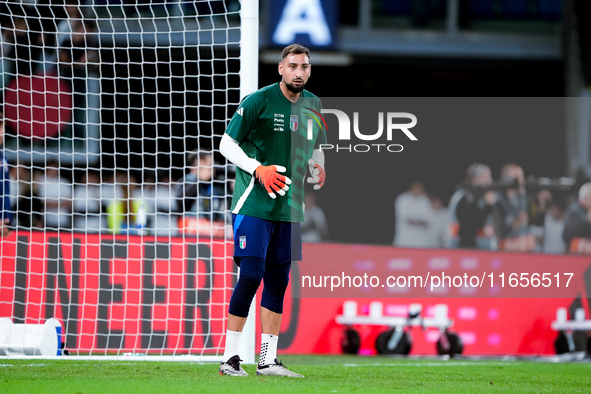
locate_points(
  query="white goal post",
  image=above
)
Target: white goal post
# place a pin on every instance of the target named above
(112, 118)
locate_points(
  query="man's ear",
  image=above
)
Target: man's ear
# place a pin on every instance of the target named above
(280, 68)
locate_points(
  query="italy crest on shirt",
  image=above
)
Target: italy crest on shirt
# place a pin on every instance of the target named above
(293, 122)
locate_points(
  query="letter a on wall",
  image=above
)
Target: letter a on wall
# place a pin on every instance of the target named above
(307, 22)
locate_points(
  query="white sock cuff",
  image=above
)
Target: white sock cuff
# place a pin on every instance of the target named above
(269, 338)
(232, 343)
(268, 349)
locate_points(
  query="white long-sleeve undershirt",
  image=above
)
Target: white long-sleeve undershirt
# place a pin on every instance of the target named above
(231, 150)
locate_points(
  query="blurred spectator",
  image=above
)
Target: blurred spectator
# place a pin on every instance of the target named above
(69, 29)
(199, 193)
(439, 225)
(56, 194)
(124, 204)
(140, 203)
(15, 186)
(51, 14)
(74, 58)
(513, 202)
(25, 39)
(553, 228)
(6, 47)
(76, 53)
(547, 220)
(26, 205)
(76, 45)
(112, 192)
(160, 204)
(577, 223)
(414, 218)
(7, 218)
(165, 220)
(474, 212)
(539, 207)
(314, 227)
(87, 203)
(76, 29)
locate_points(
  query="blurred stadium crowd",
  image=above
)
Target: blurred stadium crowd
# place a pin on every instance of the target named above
(514, 213)
(124, 202)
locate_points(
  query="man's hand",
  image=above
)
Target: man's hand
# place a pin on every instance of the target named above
(270, 178)
(5, 230)
(317, 174)
(522, 220)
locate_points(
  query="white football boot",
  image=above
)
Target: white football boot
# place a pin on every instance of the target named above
(232, 367)
(277, 369)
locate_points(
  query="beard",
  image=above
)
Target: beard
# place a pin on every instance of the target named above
(295, 89)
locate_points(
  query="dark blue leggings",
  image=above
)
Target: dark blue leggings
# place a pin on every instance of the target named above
(252, 270)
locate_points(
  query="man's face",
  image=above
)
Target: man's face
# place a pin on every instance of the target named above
(52, 171)
(295, 71)
(205, 168)
(516, 173)
(417, 188)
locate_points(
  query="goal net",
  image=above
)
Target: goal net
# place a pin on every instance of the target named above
(113, 113)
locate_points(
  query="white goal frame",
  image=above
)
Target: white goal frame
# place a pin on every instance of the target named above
(249, 58)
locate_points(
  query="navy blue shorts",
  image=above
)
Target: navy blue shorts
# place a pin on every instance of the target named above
(276, 242)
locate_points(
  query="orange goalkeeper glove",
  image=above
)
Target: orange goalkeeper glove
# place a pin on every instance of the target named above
(270, 178)
(317, 174)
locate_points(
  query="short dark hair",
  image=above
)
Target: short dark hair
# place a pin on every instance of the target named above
(295, 49)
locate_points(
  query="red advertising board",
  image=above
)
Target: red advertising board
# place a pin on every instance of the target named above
(119, 292)
(492, 320)
(171, 295)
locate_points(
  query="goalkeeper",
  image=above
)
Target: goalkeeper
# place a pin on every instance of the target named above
(269, 141)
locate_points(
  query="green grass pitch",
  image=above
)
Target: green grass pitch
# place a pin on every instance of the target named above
(324, 374)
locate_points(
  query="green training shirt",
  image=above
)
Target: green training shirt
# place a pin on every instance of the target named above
(273, 130)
